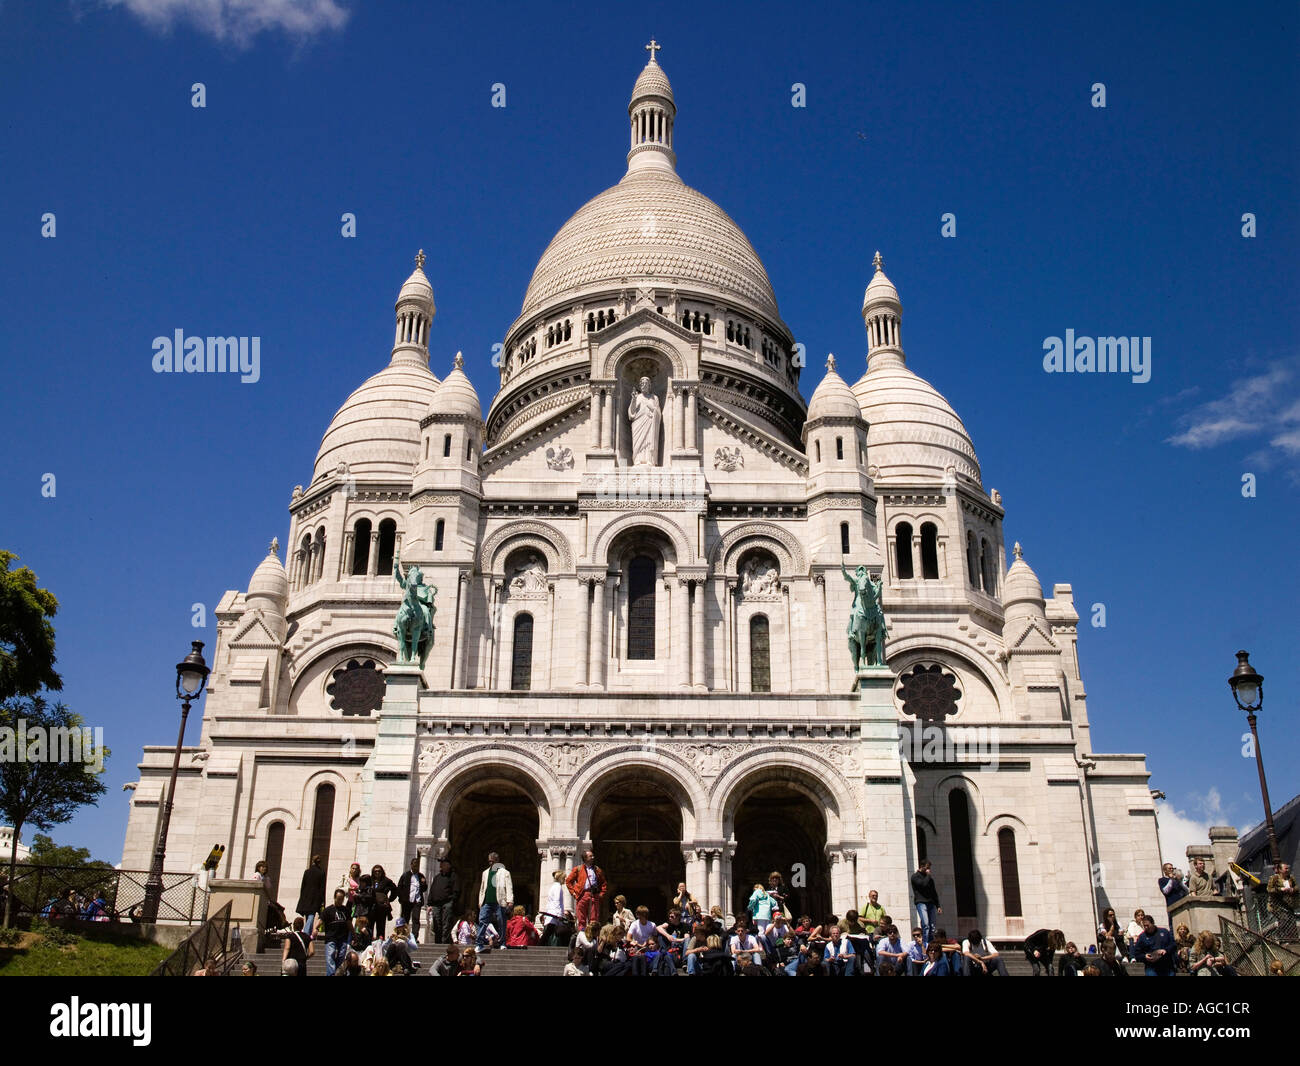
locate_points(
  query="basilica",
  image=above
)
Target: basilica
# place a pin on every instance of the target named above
(637, 563)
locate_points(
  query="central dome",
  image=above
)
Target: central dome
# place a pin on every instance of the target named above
(650, 228)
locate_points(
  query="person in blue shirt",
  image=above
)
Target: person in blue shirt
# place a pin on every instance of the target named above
(890, 950)
(935, 964)
(915, 953)
(1155, 949)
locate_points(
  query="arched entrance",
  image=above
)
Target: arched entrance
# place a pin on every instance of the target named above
(778, 827)
(495, 815)
(636, 832)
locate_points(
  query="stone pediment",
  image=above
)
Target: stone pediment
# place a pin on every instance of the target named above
(1032, 640)
(254, 634)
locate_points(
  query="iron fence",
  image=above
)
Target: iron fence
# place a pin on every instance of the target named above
(37, 890)
(208, 946)
(1268, 915)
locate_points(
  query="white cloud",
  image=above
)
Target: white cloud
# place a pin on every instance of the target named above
(1182, 827)
(239, 21)
(1259, 405)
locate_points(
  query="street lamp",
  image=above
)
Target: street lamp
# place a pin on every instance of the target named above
(191, 676)
(1248, 691)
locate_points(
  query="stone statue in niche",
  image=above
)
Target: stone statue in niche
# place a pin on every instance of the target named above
(759, 577)
(531, 576)
(645, 418)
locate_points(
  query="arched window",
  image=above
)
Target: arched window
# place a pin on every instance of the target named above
(819, 450)
(469, 449)
(360, 546)
(903, 551)
(929, 551)
(437, 535)
(322, 825)
(521, 665)
(387, 545)
(1010, 872)
(922, 845)
(274, 856)
(972, 560)
(844, 538)
(963, 861)
(986, 567)
(641, 608)
(318, 555)
(426, 447)
(839, 448)
(760, 655)
(446, 445)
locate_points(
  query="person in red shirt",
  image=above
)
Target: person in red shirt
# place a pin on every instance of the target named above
(520, 932)
(586, 884)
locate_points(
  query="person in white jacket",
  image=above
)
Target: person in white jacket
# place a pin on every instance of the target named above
(496, 896)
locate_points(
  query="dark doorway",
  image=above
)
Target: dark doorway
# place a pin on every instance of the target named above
(778, 828)
(495, 816)
(636, 832)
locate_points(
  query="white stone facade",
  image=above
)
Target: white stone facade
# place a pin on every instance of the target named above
(643, 602)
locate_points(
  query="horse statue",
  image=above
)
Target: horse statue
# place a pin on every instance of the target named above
(413, 627)
(867, 629)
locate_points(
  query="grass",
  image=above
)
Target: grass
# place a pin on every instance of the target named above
(36, 956)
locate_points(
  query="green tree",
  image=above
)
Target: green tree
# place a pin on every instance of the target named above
(47, 853)
(26, 635)
(40, 793)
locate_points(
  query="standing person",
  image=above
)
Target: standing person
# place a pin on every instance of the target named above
(1110, 927)
(443, 894)
(926, 897)
(683, 899)
(1155, 949)
(384, 892)
(1202, 880)
(311, 896)
(350, 883)
(496, 894)
(336, 924)
(297, 947)
(552, 916)
(1283, 892)
(872, 913)
(1040, 946)
(1171, 885)
(760, 907)
(780, 897)
(586, 884)
(411, 887)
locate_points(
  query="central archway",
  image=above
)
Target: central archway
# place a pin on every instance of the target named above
(495, 815)
(779, 828)
(636, 832)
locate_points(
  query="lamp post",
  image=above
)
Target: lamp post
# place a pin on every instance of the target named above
(191, 676)
(1248, 691)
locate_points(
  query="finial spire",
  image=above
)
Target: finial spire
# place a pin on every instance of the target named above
(878, 262)
(1017, 551)
(459, 361)
(830, 363)
(652, 48)
(274, 549)
(419, 259)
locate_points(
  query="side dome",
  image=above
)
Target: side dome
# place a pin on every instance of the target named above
(833, 398)
(913, 432)
(456, 396)
(377, 430)
(269, 584)
(1022, 584)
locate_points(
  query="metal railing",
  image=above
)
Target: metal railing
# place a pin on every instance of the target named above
(209, 943)
(37, 890)
(1267, 915)
(1252, 953)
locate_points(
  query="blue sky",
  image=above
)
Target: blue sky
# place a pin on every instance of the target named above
(225, 220)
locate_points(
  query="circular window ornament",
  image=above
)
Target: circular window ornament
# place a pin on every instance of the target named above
(357, 688)
(929, 693)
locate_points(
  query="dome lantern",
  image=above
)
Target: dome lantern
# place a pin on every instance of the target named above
(415, 310)
(652, 112)
(882, 312)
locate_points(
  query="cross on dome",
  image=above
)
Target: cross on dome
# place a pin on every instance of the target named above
(419, 259)
(878, 262)
(652, 48)
(830, 363)
(274, 548)
(459, 361)
(1017, 551)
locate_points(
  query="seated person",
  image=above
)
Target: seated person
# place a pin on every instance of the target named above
(981, 957)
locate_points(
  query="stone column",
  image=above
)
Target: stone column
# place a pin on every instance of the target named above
(692, 432)
(679, 416)
(715, 879)
(725, 887)
(697, 639)
(504, 659)
(597, 416)
(599, 631)
(691, 876)
(822, 635)
(458, 638)
(345, 563)
(372, 563)
(544, 870)
(681, 633)
(841, 881)
(887, 811)
(494, 631)
(584, 641)
(729, 606)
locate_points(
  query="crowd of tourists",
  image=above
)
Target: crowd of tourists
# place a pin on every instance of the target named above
(371, 923)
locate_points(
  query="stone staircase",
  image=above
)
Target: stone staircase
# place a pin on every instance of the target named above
(523, 962)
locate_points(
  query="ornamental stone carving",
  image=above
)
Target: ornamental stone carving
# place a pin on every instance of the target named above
(759, 578)
(560, 458)
(431, 755)
(728, 459)
(566, 759)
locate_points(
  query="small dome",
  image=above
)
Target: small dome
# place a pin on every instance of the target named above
(652, 82)
(913, 433)
(1022, 584)
(881, 290)
(417, 287)
(833, 398)
(456, 395)
(377, 430)
(269, 581)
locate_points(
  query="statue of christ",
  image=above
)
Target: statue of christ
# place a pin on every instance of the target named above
(645, 417)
